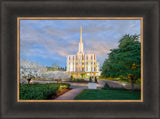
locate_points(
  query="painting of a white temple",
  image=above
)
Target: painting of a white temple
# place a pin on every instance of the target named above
(80, 59)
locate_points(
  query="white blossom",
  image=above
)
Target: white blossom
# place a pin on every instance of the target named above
(30, 68)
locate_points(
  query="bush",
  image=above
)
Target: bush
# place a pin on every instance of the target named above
(64, 86)
(138, 82)
(102, 77)
(108, 78)
(40, 91)
(77, 80)
(107, 87)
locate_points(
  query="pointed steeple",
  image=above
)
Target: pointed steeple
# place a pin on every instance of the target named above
(81, 43)
(81, 36)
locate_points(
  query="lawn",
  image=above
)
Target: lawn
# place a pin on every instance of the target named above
(40, 91)
(108, 93)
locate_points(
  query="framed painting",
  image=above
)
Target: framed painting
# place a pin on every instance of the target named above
(83, 59)
(81, 70)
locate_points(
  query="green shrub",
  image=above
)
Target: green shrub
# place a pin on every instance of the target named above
(102, 77)
(77, 80)
(40, 91)
(82, 80)
(107, 87)
(64, 86)
(138, 82)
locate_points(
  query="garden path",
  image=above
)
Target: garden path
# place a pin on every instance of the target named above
(70, 95)
(76, 89)
(116, 84)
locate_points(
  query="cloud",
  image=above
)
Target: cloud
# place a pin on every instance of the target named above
(55, 39)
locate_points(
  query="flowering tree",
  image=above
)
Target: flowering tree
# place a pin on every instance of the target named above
(30, 69)
(55, 75)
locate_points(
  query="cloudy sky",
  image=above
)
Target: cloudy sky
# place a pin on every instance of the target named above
(50, 41)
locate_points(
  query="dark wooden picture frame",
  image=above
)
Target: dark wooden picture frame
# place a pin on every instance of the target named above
(148, 9)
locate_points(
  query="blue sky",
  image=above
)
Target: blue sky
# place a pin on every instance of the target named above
(50, 41)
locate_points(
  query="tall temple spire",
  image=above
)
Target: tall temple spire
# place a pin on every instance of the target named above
(81, 36)
(81, 43)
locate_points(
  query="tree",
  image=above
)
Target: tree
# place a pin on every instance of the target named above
(30, 69)
(56, 75)
(54, 67)
(125, 61)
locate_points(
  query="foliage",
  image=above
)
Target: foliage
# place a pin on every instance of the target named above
(106, 87)
(32, 70)
(55, 75)
(29, 69)
(77, 80)
(102, 77)
(125, 61)
(83, 75)
(40, 91)
(55, 67)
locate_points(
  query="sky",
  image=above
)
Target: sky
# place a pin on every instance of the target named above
(50, 41)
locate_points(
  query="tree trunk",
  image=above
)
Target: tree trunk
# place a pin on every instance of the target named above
(132, 84)
(29, 80)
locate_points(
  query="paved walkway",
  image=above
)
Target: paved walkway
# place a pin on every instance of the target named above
(70, 95)
(116, 84)
(76, 89)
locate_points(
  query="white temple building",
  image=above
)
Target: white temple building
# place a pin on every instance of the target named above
(82, 63)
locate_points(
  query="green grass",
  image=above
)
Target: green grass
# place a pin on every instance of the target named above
(93, 94)
(40, 91)
(108, 93)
